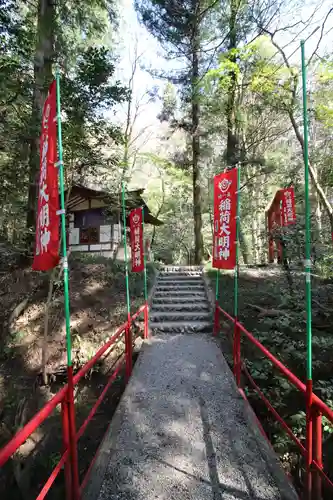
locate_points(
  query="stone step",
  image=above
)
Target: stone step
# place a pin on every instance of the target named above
(189, 294)
(181, 269)
(157, 316)
(177, 299)
(182, 289)
(168, 277)
(171, 286)
(180, 284)
(179, 279)
(181, 306)
(183, 274)
(181, 327)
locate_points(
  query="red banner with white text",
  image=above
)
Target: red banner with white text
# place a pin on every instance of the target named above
(137, 240)
(288, 206)
(225, 211)
(47, 222)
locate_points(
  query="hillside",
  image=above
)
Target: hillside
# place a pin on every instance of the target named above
(98, 307)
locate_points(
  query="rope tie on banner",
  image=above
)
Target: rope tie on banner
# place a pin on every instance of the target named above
(59, 163)
(60, 212)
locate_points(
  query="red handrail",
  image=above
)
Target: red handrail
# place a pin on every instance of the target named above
(62, 397)
(315, 407)
(22, 435)
(273, 411)
(88, 366)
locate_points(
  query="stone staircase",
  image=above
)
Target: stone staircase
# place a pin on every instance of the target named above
(180, 304)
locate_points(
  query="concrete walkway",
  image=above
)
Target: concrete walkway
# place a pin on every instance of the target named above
(182, 431)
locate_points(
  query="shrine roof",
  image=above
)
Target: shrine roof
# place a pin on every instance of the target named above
(79, 194)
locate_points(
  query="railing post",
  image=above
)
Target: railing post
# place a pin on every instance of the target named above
(72, 437)
(65, 446)
(146, 312)
(128, 348)
(237, 353)
(309, 440)
(216, 320)
(317, 452)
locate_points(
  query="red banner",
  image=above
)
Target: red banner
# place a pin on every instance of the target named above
(225, 211)
(288, 206)
(137, 240)
(47, 223)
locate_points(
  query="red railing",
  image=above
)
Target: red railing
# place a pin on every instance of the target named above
(315, 407)
(65, 397)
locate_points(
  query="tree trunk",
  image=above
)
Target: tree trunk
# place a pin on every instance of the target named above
(315, 182)
(243, 245)
(197, 216)
(210, 198)
(158, 212)
(314, 179)
(260, 220)
(232, 154)
(255, 230)
(46, 327)
(42, 77)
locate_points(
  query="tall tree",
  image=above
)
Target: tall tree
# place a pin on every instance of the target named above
(33, 37)
(181, 28)
(44, 56)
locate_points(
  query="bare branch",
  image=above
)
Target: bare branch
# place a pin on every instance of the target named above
(202, 13)
(321, 35)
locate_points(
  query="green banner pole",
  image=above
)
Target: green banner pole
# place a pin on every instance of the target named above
(216, 311)
(145, 278)
(128, 335)
(237, 245)
(144, 258)
(309, 416)
(307, 223)
(75, 483)
(237, 340)
(125, 254)
(217, 285)
(63, 225)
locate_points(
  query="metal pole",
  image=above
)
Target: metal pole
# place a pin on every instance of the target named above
(144, 258)
(145, 277)
(237, 245)
(66, 446)
(217, 285)
(216, 313)
(72, 424)
(307, 224)
(236, 327)
(128, 339)
(317, 452)
(63, 226)
(307, 279)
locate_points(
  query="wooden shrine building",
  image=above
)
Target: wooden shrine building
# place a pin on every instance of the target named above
(96, 222)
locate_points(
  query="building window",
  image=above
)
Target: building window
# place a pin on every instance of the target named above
(89, 235)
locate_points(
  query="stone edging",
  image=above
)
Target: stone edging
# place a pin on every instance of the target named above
(209, 290)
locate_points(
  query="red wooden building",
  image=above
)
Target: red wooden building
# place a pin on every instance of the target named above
(281, 212)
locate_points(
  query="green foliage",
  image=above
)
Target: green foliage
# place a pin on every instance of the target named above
(169, 103)
(12, 340)
(88, 86)
(170, 195)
